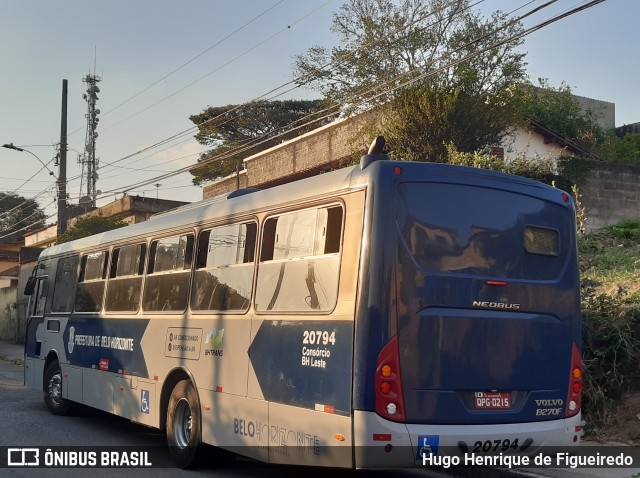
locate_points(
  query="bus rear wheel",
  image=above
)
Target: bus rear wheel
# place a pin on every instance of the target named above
(53, 391)
(183, 424)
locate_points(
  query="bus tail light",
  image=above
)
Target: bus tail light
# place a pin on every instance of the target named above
(389, 400)
(574, 398)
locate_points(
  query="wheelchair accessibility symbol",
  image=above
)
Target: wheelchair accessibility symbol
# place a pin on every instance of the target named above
(427, 445)
(144, 401)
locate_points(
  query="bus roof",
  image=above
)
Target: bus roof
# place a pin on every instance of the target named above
(224, 206)
(210, 209)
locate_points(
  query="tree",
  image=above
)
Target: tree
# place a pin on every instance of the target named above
(89, 226)
(237, 132)
(391, 41)
(558, 110)
(19, 215)
(424, 120)
(624, 150)
(384, 43)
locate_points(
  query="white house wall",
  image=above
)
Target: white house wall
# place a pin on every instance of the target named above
(531, 144)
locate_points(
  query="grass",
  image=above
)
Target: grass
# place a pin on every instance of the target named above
(610, 283)
(19, 362)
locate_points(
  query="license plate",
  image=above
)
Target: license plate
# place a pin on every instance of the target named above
(493, 400)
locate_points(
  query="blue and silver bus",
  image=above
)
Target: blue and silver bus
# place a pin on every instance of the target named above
(356, 319)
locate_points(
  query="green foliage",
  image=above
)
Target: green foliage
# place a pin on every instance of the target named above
(386, 41)
(90, 225)
(237, 132)
(19, 215)
(625, 150)
(477, 159)
(611, 350)
(425, 119)
(610, 289)
(625, 230)
(534, 168)
(581, 211)
(559, 111)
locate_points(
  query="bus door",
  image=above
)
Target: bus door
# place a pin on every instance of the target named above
(37, 288)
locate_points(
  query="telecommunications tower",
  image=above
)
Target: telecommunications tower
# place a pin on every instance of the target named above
(88, 159)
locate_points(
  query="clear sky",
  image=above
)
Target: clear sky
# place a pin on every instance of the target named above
(136, 43)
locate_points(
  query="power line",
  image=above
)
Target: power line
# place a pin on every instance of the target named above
(402, 85)
(202, 163)
(195, 128)
(521, 35)
(175, 70)
(219, 67)
(293, 81)
(27, 227)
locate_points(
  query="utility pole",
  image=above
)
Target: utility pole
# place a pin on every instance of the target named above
(62, 175)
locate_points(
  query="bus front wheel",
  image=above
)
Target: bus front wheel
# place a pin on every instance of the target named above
(53, 390)
(183, 424)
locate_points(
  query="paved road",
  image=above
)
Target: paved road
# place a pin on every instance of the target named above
(24, 421)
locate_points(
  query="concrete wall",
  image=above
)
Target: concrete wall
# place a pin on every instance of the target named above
(605, 111)
(611, 194)
(131, 209)
(8, 313)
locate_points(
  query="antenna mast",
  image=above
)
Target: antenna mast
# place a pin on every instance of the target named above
(88, 160)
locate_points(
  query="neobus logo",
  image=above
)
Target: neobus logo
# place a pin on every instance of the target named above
(495, 305)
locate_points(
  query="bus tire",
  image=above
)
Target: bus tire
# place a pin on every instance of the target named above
(53, 391)
(183, 424)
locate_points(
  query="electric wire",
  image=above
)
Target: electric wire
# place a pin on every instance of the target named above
(293, 81)
(517, 36)
(332, 109)
(465, 58)
(175, 70)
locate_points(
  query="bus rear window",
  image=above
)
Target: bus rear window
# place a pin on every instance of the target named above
(540, 240)
(482, 231)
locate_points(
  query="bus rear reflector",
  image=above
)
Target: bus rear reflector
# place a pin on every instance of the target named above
(574, 398)
(389, 399)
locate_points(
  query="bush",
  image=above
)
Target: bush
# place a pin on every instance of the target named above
(611, 319)
(611, 351)
(625, 230)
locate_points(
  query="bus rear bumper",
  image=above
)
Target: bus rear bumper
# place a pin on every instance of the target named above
(380, 443)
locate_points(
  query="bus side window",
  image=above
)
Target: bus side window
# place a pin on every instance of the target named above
(300, 261)
(224, 268)
(64, 286)
(125, 278)
(90, 289)
(168, 272)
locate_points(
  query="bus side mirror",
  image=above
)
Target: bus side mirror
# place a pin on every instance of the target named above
(31, 285)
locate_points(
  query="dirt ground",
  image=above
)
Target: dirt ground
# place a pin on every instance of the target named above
(624, 423)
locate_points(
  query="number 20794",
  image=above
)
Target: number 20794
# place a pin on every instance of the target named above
(318, 337)
(495, 445)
